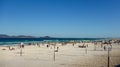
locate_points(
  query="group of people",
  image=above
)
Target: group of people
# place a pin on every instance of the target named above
(107, 47)
(104, 45)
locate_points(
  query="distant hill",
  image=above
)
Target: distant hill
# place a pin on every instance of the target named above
(21, 36)
(4, 36)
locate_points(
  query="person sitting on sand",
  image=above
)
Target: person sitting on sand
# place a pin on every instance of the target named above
(11, 48)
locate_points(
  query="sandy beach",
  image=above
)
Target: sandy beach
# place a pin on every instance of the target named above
(67, 56)
(59, 33)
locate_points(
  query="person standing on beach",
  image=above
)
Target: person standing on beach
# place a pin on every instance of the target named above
(87, 45)
(38, 44)
(21, 45)
(110, 46)
(57, 47)
(47, 46)
(101, 45)
(104, 48)
(9, 47)
(95, 43)
(73, 44)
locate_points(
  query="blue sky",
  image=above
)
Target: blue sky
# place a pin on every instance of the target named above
(60, 18)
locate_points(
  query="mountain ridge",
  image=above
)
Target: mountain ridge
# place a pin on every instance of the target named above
(21, 36)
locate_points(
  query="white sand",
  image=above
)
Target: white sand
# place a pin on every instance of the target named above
(67, 56)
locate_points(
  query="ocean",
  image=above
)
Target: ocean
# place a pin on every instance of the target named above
(15, 41)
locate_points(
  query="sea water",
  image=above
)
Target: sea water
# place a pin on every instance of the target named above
(16, 41)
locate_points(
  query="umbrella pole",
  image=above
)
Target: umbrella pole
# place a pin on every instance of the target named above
(21, 52)
(54, 54)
